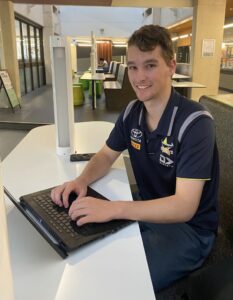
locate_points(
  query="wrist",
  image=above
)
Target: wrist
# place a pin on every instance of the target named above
(81, 180)
(121, 209)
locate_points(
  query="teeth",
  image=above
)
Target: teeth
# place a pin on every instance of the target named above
(142, 86)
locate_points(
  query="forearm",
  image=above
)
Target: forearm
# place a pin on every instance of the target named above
(163, 210)
(176, 208)
(97, 167)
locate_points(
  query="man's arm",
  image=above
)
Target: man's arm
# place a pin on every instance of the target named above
(99, 165)
(96, 168)
(179, 207)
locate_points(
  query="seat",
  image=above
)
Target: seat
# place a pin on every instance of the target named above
(223, 248)
(99, 89)
(85, 83)
(78, 95)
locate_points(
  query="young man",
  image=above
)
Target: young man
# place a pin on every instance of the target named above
(171, 142)
(103, 64)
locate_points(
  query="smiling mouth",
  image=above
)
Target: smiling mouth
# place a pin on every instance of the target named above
(142, 87)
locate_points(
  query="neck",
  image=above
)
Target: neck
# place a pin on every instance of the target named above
(155, 109)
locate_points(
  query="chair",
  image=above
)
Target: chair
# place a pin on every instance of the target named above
(214, 282)
(85, 83)
(78, 95)
(120, 92)
(99, 89)
(223, 248)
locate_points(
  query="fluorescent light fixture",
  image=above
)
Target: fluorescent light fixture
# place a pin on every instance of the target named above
(180, 23)
(102, 42)
(84, 45)
(175, 38)
(227, 44)
(228, 25)
(120, 45)
(183, 36)
(83, 41)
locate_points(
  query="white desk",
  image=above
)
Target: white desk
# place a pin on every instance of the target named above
(184, 87)
(187, 84)
(180, 76)
(112, 268)
(6, 283)
(93, 79)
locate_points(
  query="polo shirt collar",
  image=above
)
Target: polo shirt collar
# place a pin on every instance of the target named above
(166, 122)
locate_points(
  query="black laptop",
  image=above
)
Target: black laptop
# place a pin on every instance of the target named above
(55, 225)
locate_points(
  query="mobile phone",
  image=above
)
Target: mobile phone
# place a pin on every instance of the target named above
(81, 156)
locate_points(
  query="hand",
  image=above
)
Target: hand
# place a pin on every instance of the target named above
(60, 194)
(89, 209)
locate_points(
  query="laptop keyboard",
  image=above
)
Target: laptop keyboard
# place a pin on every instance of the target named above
(59, 219)
(58, 216)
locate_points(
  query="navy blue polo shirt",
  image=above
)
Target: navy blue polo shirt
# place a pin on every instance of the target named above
(183, 145)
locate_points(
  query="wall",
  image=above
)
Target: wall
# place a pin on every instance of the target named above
(31, 11)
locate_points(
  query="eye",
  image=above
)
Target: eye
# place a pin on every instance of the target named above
(132, 68)
(150, 66)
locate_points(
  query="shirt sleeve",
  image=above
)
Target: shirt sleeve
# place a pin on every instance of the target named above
(196, 153)
(117, 140)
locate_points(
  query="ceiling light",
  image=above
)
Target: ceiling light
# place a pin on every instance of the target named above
(120, 45)
(228, 25)
(183, 36)
(84, 45)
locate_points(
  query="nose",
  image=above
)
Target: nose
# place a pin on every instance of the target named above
(140, 75)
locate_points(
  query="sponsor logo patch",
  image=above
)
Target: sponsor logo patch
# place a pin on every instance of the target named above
(136, 138)
(136, 145)
(166, 153)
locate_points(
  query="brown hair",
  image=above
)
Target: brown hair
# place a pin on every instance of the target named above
(148, 37)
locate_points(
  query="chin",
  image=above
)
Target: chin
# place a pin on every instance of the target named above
(144, 97)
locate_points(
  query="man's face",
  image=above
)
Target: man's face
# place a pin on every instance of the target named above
(149, 74)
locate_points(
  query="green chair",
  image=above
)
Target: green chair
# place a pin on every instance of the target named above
(78, 95)
(85, 84)
(79, 84)
(99, 89)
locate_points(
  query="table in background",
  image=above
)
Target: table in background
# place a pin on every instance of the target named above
(111, 268)
(184, 87)
(179, 77)
(93, 79)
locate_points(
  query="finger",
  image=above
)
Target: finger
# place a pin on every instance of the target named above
(76, 212)
(56, 195)
(84, 220)
(65, 197)
(82, 194)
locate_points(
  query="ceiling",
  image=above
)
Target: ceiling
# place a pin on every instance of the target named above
(69, 2)
(229, 9)
(181, 27)
(186, 25)
(119, 3)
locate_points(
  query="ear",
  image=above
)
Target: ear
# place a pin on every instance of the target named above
(172, 66)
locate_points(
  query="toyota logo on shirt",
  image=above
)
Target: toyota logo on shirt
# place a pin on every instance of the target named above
(136, 134)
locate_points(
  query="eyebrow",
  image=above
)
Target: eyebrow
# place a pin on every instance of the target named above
(148, 61)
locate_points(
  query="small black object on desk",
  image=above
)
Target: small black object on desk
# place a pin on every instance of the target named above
(81, 156)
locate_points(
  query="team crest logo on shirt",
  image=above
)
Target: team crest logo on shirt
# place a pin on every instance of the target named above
(166, 153)
(135, 137)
